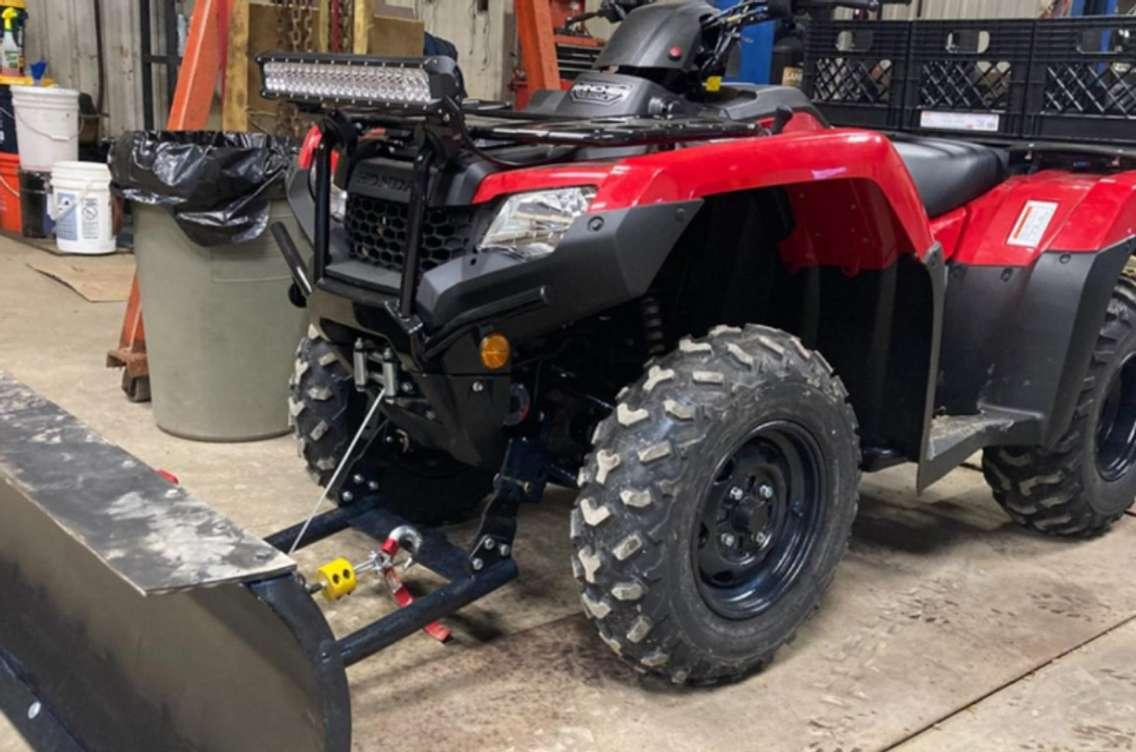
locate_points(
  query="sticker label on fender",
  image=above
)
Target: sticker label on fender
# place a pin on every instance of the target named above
(983, 122)
(1032, 224)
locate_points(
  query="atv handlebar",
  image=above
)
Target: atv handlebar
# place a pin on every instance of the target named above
(726, 25)
(612, 10)
(757, 10)
(868, 5)
(749, 12)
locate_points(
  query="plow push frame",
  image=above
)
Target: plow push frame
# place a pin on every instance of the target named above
(133, 616)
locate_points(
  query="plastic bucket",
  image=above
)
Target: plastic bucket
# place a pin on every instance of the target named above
(81, 207)
(34, 222)
(8, 142)
(47, 125)
(10, 218)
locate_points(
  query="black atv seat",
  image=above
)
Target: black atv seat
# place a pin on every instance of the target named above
(947, 173)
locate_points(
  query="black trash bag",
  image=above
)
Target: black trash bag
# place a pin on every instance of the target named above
(216, 185)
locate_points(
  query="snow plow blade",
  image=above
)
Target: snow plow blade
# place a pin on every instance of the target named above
(132, 616)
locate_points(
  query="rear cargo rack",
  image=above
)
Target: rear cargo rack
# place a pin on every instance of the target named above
(1057, 80)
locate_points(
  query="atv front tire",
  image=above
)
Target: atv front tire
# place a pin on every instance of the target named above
(716, 505)
(424, 486)
(1086, 482)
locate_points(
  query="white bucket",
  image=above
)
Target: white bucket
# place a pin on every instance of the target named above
(81, 207)
(47, 125)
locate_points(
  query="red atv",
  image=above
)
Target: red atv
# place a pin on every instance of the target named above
(709, 310)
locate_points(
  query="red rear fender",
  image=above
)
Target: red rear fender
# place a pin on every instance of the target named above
(1047, 211)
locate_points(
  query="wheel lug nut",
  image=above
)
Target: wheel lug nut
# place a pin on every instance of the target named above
(358, 479)
(728, 539)
(765, 491)
(761, 538)
(736, 493)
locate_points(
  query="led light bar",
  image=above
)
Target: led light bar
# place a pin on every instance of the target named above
(356, 80)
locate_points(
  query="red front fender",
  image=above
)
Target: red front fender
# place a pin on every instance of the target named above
(853, 199)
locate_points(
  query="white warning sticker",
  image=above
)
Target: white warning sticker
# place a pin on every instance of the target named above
(1032, 224)
(983, 122)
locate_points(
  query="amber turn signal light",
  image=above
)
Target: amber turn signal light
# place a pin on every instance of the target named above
(495, 351)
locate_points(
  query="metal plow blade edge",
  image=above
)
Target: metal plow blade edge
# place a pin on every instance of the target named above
(132, 616)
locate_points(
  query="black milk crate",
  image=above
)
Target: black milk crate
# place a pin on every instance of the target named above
(969, 76)
(1083, 80)
(856, 71)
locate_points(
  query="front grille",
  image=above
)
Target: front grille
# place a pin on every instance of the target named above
(377, 229)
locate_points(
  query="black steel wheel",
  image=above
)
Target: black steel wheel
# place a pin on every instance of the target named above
(424, 486)
(1116, 426)
(716, 505)
(760, 518)
(1087, 480)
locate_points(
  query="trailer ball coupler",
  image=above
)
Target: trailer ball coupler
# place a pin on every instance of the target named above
(339, 577)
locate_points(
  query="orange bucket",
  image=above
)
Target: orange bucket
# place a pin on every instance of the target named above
(10, 192)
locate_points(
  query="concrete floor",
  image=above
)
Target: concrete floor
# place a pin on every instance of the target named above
(947, 628)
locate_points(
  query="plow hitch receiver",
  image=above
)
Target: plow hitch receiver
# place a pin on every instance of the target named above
(471, 574)
(339, 578)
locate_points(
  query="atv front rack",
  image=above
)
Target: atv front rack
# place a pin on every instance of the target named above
(613, 132)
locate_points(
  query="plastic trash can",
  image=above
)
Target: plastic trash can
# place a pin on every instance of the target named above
(220, 332)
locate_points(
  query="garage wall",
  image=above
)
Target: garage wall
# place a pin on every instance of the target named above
(484, 31)
(63, 33)
(969, 9)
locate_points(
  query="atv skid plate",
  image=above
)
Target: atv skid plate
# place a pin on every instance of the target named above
(133, 616)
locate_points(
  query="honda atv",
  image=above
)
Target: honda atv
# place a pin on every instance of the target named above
(703, 308)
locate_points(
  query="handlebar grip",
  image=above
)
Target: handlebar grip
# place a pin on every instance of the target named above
(870, 5)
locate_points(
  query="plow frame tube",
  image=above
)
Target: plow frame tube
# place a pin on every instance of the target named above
(436, 553)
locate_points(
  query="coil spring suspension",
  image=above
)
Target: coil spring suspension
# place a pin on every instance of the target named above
(654, 325)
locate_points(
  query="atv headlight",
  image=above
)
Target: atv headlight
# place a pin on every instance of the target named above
(531, 225)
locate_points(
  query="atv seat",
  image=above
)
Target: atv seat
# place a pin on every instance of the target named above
(948, 174)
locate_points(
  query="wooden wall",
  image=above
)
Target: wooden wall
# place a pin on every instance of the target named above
(63, 33)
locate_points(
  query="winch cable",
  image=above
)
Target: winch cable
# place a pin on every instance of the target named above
(343, 462)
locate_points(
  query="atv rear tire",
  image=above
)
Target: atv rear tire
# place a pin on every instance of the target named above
(1086, 482)
(424, 486)
(748, 412)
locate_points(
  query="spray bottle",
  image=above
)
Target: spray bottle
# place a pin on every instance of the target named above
(10, 48)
